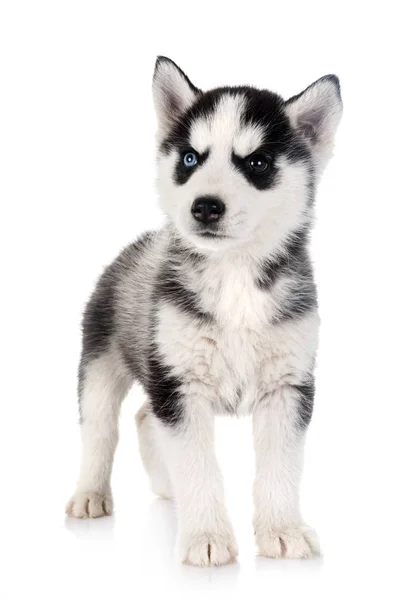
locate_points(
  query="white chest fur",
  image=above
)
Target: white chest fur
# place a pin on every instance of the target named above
(228, 291)
(240, 357)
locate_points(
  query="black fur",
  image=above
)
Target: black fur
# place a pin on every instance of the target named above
(98, 323)
(262, 181)
(294, 262)
(262, 108)
(171, 288)
(180, 253)
(182, 173)
(306, 405)
(204, 106)
(302, 298)
(99, 315)
(163, 389)
(98, 319)
(293, 256)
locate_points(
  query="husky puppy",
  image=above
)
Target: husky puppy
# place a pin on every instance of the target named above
(216, 313)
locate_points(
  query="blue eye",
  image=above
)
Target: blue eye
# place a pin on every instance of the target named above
(190, 159)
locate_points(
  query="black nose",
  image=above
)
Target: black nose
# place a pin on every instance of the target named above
(208, 209)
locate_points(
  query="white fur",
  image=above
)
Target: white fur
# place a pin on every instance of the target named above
(187, 459)
(289, 542)
(278, 525)
(225, 126)
(204, 527)
(256, 219)
(106, 383)
(152, 454)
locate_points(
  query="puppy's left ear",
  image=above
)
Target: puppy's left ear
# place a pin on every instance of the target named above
(173, 93)
(316, 114)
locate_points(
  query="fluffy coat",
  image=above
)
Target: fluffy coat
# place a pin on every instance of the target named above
(216, 313)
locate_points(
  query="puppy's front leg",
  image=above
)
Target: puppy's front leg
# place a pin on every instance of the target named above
(205, 533)
(279, 424)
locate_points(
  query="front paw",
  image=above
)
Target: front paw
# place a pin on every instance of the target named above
(84, 505)
(208, 549)
(289, 542)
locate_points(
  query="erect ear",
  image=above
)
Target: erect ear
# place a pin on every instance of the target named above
(173, 93)
(316, 113)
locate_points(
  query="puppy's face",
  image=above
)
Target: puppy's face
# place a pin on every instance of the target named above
(237, 165)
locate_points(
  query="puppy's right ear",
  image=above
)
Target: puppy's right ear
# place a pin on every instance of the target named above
(173, 93)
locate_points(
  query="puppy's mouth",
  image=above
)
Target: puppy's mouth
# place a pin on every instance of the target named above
(212, 235)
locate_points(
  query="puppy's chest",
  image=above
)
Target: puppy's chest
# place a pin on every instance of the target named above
(233, 352)
(232, 361)
(230, 352)
(232, 296)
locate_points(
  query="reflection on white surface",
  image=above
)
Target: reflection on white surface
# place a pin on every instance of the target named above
(163, 522)
(289, 567)
(147, 543)
(91, 529)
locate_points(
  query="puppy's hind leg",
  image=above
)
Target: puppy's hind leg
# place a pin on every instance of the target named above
(104, 383)
(151, 453)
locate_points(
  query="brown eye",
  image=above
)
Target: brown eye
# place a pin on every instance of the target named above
(258, 163)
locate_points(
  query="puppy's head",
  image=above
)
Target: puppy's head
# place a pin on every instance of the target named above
(237, 164)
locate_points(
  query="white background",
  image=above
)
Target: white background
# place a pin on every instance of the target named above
(76, 184)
